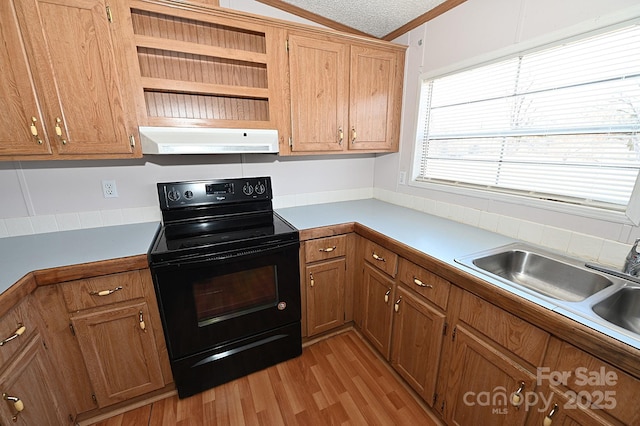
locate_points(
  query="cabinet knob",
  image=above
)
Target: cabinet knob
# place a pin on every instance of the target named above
(396, 306)
(353, 135)
(340, 135)
(548, 419)
(516, 397)
(19, 331)
(143, 326)
(386, 296)
(378, 258)
(312, 282)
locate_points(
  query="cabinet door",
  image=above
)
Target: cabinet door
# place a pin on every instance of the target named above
(378, 303)
(417, 341)
(319, 82)
(18, 102)
(325, 295)
(375, 98)
(556, 407)
(121, 355)
(482, 381)
(30, 378)
(71, 51)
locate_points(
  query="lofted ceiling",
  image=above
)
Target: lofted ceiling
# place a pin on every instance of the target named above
(382, 19)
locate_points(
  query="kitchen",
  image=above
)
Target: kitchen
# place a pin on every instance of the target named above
(62, 195)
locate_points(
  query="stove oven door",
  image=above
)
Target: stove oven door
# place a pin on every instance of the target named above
(214, 300)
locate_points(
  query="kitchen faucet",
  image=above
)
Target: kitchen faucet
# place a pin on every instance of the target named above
(632, 262)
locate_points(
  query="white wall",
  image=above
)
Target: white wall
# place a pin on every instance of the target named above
(47, 196)
(472, 33)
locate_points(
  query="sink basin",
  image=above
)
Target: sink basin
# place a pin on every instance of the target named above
(546, 273)
(622, 308)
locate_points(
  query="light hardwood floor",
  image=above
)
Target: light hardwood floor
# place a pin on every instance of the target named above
(338, 380)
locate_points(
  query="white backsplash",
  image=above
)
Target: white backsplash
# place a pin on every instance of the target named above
(576, 244)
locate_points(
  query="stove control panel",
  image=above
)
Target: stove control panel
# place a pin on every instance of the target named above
(213, 192)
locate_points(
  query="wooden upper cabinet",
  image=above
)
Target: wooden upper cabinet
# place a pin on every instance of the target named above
(69, 55)
(344, 96)
(18, 101)
(319, 82)
(203, 68)
(375, 98)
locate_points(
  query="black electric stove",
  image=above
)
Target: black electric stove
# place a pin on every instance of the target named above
(225, 268)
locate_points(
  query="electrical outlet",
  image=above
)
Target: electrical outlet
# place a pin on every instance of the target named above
(402, 178)
(109, 189)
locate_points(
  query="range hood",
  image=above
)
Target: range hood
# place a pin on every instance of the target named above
(202, 140)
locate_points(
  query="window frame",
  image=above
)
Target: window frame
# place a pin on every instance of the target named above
(630, 215)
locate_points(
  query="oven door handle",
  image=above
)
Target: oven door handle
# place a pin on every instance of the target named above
(231, 255)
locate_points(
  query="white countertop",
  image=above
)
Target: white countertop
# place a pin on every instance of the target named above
(23, 254)
(440, 238)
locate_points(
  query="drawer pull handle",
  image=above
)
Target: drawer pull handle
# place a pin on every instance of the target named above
(21, 329)
(143, 326)
(105, 292)
(59, 131)
(313, 282)
(396, 306)
(516, 397)
(328, 249)
(17, 404)
(378, 258)
(34, 130)
(386, 296)
(419, 283)
(548, 419)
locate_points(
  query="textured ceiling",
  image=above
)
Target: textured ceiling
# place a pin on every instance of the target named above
(379, 18)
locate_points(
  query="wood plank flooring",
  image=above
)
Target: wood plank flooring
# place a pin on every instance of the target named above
(336, 381)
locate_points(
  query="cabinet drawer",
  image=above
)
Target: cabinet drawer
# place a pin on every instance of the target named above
(16, 326)
(381, 258)
(100, 291)
(425, 283)
(325, 248)
(517, 336)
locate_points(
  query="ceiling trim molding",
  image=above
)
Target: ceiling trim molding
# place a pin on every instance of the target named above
(295, 10)
(425, 17)
(433, 13)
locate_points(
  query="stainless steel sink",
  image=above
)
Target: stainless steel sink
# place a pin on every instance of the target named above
(622, 308)
(604, 297)
(544, 272)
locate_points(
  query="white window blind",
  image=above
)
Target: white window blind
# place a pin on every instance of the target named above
(560, 123)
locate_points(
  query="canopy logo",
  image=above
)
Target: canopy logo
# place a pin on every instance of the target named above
(597, 392)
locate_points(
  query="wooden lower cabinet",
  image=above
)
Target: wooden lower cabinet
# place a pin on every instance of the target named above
(31, 378)
(418, 331)
(482, 382)
(378, 292)
(104, 337)
(325, 284)
(119, 351)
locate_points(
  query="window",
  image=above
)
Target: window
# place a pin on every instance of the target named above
(558, 124)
